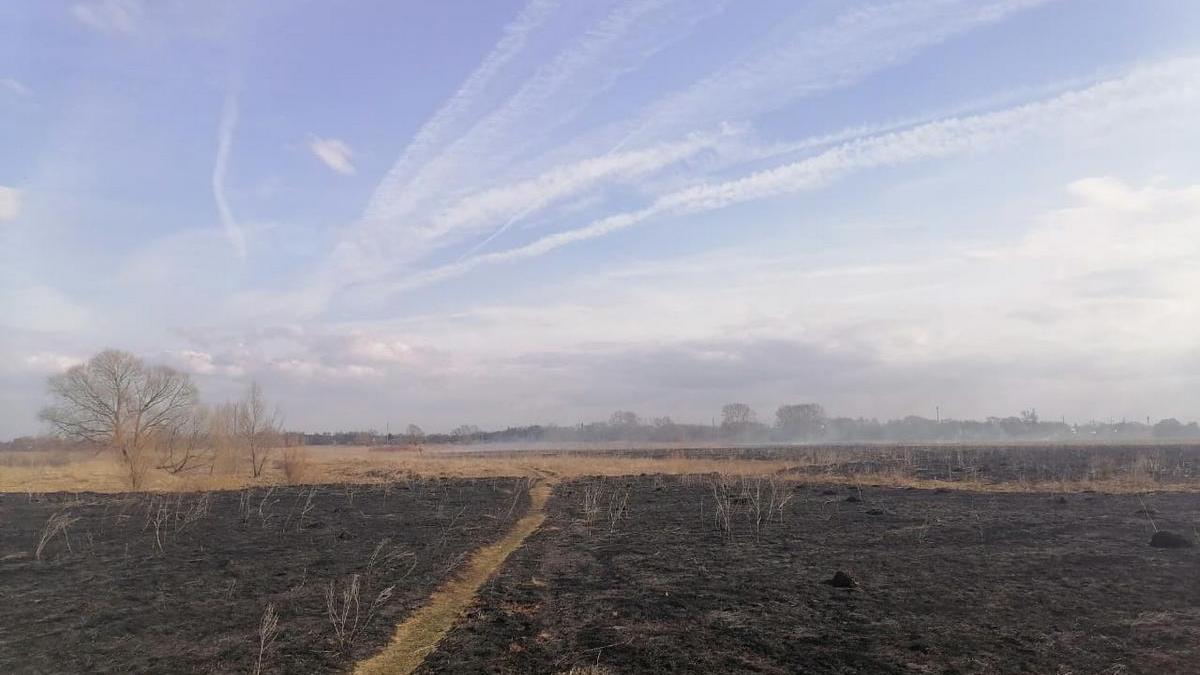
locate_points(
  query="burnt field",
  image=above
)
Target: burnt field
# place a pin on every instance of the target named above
(181, 582)
(1011, 467)
(722, 574)
(868, 559)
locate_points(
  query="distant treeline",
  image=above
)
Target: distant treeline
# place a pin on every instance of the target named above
(799, 423)
(738, 423)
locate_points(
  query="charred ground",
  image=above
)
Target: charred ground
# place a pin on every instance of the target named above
(946, 581)
(180, 582)
(811, 559)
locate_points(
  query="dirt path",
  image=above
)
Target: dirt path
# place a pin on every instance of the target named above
(420, 633)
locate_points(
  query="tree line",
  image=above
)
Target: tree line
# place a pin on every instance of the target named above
(150, 417)
(791, 423)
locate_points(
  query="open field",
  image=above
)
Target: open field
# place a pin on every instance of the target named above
(180, 582)
(1031, 467)
(641, 575)
(982, 559)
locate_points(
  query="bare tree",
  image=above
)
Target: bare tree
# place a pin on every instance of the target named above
(736, 416)
(256, 428)
(624, 419)
(118, 402)
(182, 447)
(222, 438)
(804, 420)
(464, 431)
(414, 434)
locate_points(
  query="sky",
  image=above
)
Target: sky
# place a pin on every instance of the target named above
(507, 212)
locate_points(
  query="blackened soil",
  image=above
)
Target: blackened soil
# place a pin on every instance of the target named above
(946, 582)
(179, 583)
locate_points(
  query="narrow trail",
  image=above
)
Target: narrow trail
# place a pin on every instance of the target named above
(420, 634)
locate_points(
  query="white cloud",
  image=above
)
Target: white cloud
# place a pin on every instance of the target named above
(110, 16)
(1115, 225)
(379, 350)
(42, 308)
(333, 353)
(863, 336)
(334, 153)
(306, 369)
(10, 203)
(993, 327)
(1006, 316)
(47, 362)
(14, 86)
(203, 363)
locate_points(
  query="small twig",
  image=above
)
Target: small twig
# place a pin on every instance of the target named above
(267, 630)
(1147, 512)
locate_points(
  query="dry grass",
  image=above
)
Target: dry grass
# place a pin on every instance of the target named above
(268, 629)
(295, 465)
(59, 522)
(333, 465)
(345, 610)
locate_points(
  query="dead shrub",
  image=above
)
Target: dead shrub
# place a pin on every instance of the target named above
(267, 630)
(344, 611)
(295, 464)
(723, 497)
(55, 524)
(591, 505)
(617, 504)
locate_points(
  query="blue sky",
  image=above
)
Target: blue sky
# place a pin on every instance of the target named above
(518, 212)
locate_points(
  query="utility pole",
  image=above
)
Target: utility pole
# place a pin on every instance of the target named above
(938, 412)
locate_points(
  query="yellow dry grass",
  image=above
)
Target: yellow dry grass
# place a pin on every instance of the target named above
(82, 472)
(418, 635)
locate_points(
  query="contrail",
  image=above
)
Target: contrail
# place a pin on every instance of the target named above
(517, 201)
(755, 82)
(626, 37)
(404, 219)
(1163, 86)
(861, 41)
(857, 42)
(432, 133)
(229, 116)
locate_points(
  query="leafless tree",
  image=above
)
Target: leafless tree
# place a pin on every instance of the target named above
(464, 431)
(256, 428)
(414, 434)
(804, 420)
(182, 447)
(117, 401)
(222, 439)
(624, 419)
(736, 416)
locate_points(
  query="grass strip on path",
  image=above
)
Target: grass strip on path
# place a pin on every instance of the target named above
(420, 634)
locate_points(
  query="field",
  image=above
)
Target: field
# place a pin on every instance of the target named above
(959, 559)
(180, 582)
(944, 582)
